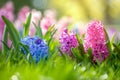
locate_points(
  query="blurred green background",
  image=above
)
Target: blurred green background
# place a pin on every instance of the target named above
(81, 10)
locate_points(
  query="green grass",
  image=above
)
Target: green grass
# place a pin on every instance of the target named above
(57, 68)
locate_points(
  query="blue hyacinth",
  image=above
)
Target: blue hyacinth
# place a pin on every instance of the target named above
(38, 47)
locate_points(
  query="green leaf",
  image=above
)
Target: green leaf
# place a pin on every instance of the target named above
(113, 38)
(38, 30)
(27, 26)
(76, 53)
(112, 41)
(108, 41)
(49, 34)
(81, 47)
(5, 48)
(14, 35)
(24, 47)
(90, 52)
(97, 61)
(51, 38)
(116, 47)
(61, 52)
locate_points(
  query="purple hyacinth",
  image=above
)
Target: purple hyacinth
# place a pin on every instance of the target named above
(95, 39)
(38, 48)
(68, 41)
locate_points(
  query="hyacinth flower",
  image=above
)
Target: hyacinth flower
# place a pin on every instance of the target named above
(46, 22)
(38, 47)
(7, 11)
(96, 40)
(67, 41)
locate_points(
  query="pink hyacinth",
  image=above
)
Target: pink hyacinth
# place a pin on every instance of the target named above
(95, 39)
(46, 22)
(7, 11)
(68, 41)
